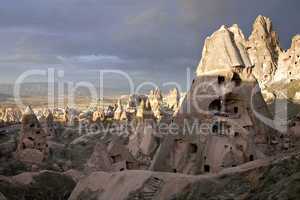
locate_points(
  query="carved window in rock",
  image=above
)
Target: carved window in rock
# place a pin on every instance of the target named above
(281, 136)
(236, 134)
(236, 110)
(116, 158)
(206, 168)
(215, 128)
(221, 80)
(251, 157)
(215, 106)
(30, 138)
(193, 148)
(236, 79)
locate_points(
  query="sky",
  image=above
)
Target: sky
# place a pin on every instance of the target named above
(154, 41)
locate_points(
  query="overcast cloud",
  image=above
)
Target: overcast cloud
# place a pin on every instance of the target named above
(157, 38)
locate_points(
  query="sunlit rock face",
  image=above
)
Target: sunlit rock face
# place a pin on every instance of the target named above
(144, 111)
(276, 70)
(119, 111)
(32, 146)
(289, 62)
(98, 116)
(221, 52)
(286, 80)
(67, 116)
(263, 48)
(155, 99)
(172, 99)
(10, 115)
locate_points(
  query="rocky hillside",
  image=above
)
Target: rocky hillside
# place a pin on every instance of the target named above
(261, 179)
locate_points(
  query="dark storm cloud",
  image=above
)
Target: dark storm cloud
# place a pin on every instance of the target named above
(129, 34)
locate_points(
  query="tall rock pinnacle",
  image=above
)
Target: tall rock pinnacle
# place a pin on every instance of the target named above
(263, 49)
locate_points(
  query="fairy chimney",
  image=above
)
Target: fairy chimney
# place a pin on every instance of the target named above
(32, 146)
(119, 110)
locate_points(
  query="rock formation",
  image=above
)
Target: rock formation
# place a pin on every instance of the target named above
(173, 99)
(109, 112)
(10, 115)
(220, 53)
(217, 142)
(143, 143)
(47, 123)
(99, 160)
(144, 111)
(254, 180)
(289, 62)
(271, 65)
(264, 50)
(121, 157)
(32, 146)
(2, 111)
(98, 115)
(224, 97)
(119, 111)
(155, 99)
